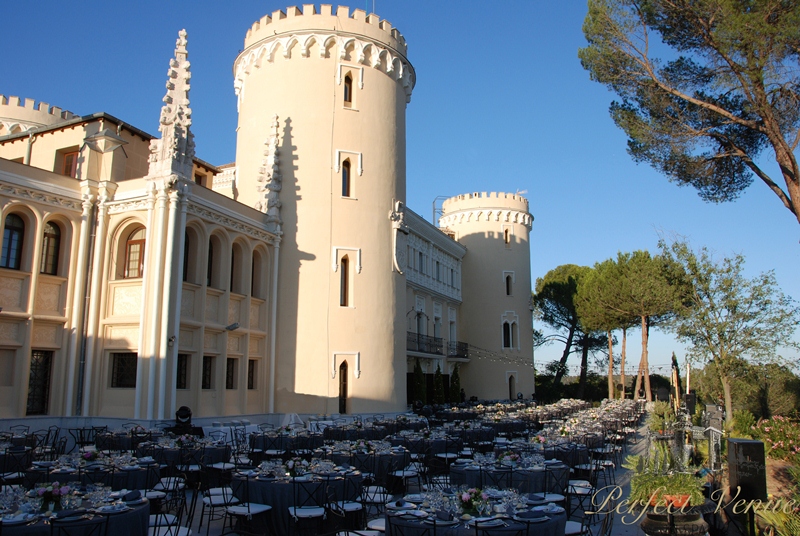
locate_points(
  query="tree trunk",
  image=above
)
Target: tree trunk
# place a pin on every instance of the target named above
(726, 390)
(610, 367)
(564, 356)
(622, 362)
(638, 385)
(584, 366)
(645, 363)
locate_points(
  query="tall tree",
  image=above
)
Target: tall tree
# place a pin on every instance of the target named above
(554, 301)
(455, 386)
(438, 386)
(729, 319)
(598, 305)
(730, 89)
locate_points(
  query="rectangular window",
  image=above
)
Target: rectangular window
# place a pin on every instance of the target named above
(70, 167)
(208, 372)
(410, 257)
(182, 377)
(134, 258)
(438, 272)
(421, 266)
(39, 382)
(123, 370)
(230, 373)
(251, 373)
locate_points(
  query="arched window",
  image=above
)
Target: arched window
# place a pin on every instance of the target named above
(51, 245)
(506, 236)
(348, 90)
(509, 284)
(346, 178)
(343, 387)
(13, 233)
(186, 246)
(508, 335)
(134, 254)
(210, 266)
(344, 282)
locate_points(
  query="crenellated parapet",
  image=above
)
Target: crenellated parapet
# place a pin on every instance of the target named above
(343, 36)
(20, 115)
(486, 206)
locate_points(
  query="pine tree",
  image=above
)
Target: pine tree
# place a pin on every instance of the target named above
(455, 386)
(438, 386)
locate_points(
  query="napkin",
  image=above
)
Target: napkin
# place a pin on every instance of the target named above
(134, 495)
(399, 504)
(443, 515)
(535, 497)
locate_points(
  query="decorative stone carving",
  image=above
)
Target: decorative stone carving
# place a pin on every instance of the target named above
(40, 197)
(399, 235)
(187, 303)
(9, 333)
(45, 335)
(269, 179)
(173, 154)
(231, 223)
(210, 341)
(48, 298)
(127, 300)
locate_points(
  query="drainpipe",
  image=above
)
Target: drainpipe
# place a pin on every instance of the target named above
(29, 148)
(273, 325)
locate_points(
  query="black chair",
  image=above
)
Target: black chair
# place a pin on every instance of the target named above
(344, 501)
(246, 517)
(92, 526)
(400, 525)
(217, 495)
(17, 462)
(167, 521)
(97, 474)
(498, 477)
(307, 510)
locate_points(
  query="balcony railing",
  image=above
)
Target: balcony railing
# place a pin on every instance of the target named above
(458, 349)
(425, 344)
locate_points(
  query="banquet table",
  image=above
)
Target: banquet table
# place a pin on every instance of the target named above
(413, 526)
(279, 494)
(534, 480)
(133, 522)
(383, 461)
(352, 433)
(171, 455)
(131, 477)
(284, 442)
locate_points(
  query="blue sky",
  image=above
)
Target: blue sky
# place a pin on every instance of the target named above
(501, 104)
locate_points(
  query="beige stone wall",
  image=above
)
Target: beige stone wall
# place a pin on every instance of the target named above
(293, 69)
(20, 115)
(495, 229)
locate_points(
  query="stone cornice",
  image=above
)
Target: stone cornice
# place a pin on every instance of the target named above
(366, 51)
(488, 215)
(39, 196)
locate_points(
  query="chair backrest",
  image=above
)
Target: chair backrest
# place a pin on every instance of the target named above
(20, 429)
(95, 474)
(169, 516)
(18, 459)
(307, 493)
(218, 435)
(95, 526)
(399, 525)
(496, 477)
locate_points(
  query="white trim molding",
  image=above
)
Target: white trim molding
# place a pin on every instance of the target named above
(358, 68)
(340, 152)
(357, 359)
(335, 257)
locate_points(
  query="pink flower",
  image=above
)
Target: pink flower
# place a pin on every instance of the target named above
(465, 496)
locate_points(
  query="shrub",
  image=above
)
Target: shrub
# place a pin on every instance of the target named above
(742, 423)
(781, 437)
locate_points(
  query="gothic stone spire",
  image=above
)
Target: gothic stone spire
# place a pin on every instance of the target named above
(172, 154)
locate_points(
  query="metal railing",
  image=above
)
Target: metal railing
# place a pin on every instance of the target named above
(416, 342)
(458, 349)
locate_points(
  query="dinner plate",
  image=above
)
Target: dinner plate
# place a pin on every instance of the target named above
(532, 519)
(405, 506)
(134, 502)
(486, 522)
(129, 467)
(112, 509)
(413, 513)
(414, 498)
(442, 523)
(19, 519)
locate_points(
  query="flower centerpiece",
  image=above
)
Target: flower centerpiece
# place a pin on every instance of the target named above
(51, 495)
(92, 455)
(539, 439)
(508, 458)
(471, 499)
(137, 430)
(296, 466)
(363, 446)
(185, 440)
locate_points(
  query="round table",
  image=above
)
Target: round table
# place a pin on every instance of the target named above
(279, 494)
(133, 522)
(412, 526)
(524, 480)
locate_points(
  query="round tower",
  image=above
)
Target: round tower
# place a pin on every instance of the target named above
(321, 151)
(19, 115)
(496, 312)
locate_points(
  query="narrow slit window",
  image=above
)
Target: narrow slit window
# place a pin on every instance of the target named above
(509, 285)
(348, 90)
(346, 179)
(344, 282)
(51, 246)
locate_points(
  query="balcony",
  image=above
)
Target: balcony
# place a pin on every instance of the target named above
(458, 349)
(424, 344)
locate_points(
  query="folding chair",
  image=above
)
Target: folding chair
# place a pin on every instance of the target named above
(307, 509)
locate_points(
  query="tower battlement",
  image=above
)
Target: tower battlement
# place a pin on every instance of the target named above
(471, 201)
(18, 115)
(310, 19)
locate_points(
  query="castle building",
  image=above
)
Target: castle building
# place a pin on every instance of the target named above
(136, 278)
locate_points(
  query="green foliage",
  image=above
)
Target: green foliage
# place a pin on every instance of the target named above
(742, 424)
(727, 90)
(728, 318)
(438, 386)
(785, 522)
(455, 386)
(420, 388)
(654, 477)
